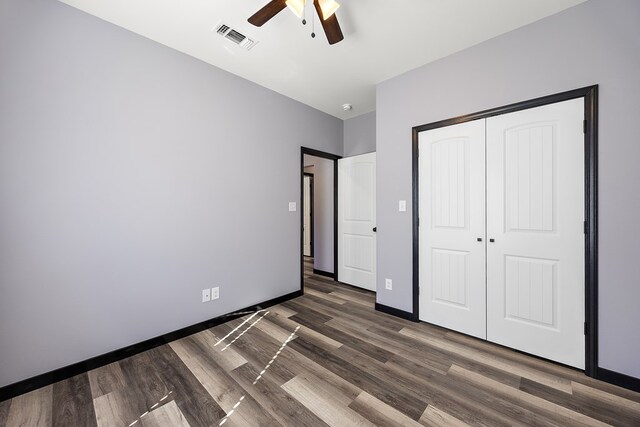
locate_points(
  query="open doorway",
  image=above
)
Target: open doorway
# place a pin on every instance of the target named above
(307, 214)
(318, 216)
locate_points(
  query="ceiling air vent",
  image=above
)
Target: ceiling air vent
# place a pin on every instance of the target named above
(235, 36)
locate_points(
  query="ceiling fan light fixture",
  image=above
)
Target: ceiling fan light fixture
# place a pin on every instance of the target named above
(328, 8)
(296, 6)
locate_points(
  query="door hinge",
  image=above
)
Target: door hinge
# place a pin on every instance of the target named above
(585, 228)
(586, 328)
(584, 126)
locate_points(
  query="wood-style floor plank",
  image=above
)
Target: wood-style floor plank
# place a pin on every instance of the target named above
(328, 296)
(549, 380)
(309, 334)
(350, 340)
(304, 364)
(227, 357)
(273, 329)
(106, 379)
(327, 358)
(432, 357)
(434, 417)
(72, 403)
(473, 406)
(379, 413)
(117, 409)
(165, 416)
(4, 412)
(226, 392)
(620, 403)
(143, 380)
(32, 409)
(390, 393)
(608, 414)
(274, 399)
(434, 388)
(282, 311)
(258, 348)
(546, 367)
(308, 316)
(566, 416)
(195, 403)
(349, 296)
(353, 312)
(325, 402)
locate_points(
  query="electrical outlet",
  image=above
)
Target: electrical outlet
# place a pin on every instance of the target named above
(215, 293)
(206, 295)
(388, 284)
(402, 205)
(292, 206)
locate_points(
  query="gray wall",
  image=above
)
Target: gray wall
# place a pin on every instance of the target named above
(360, 135)
(322, 212)
(597, 42)
(128, 183)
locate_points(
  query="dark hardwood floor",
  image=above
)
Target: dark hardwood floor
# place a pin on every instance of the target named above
(326, 358)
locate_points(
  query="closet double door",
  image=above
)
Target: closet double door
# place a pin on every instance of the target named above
(501, 205)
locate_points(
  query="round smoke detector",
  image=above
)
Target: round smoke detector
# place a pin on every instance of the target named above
(347, 107)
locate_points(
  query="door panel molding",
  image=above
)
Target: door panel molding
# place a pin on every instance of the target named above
(453, 260)
(535, 215)
(590, 96)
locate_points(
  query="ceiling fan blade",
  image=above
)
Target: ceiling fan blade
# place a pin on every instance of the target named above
(330, 25)
(266, 13)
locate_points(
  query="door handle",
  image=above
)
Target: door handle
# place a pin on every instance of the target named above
(375, 229)
(479, 239)
(491, 240)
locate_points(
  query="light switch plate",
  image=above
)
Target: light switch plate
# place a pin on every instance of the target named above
(402, 206)
(292, 206)
(388, 284)
(206, 295)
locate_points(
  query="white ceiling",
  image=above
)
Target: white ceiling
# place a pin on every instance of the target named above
(383, 39)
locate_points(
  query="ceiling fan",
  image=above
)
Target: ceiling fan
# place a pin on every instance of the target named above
(324, 8)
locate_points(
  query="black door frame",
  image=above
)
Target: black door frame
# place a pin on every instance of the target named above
(329, 156)
(590, 95)
(310, 175)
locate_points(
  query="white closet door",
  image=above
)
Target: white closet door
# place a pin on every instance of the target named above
(452, 206)
(356, 221)
(535, 212)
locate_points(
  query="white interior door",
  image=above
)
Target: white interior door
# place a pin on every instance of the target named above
(306, 215)
(452, 227)
(535, 214)
(356, 221)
